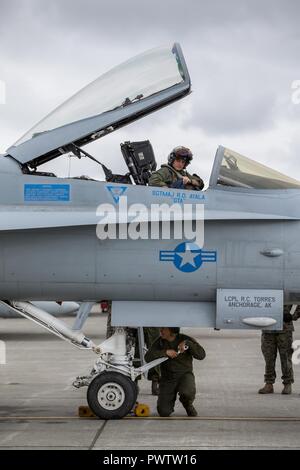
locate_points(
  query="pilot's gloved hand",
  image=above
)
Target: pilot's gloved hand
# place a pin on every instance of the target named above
(197, 182)
(186, 180)
(287, 317)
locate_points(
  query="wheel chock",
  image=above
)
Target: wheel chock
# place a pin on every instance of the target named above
(141, 410)
(85, 412)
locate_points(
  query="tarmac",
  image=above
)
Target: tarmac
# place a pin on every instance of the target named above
(39, 406)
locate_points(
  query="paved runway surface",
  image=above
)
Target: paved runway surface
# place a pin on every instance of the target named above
(39, 406)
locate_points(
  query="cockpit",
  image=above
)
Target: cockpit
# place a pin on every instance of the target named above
(234, 170)
(126, 93)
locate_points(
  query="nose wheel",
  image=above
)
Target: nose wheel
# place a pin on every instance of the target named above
(111, 395)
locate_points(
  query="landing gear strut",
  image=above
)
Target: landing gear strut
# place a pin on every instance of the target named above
(112, 391)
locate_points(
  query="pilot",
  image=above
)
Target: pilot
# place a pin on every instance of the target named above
(281, 341)
(174, 174)
(176, 373)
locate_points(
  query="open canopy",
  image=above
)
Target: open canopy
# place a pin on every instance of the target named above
(128, 92)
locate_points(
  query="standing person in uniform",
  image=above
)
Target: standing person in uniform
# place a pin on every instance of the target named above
(174, 174)
(281, 341)
(176, 373)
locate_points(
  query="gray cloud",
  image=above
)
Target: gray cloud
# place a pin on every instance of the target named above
(232, 96)
(92, 14)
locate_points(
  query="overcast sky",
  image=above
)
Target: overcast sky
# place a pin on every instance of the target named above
(242, 56)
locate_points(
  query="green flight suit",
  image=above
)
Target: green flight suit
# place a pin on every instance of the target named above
(167, 176)
(176, 374)
(280, 341)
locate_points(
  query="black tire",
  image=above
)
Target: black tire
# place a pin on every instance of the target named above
(111, 395)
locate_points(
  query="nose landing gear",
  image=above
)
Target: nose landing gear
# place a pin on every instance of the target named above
(112, 391)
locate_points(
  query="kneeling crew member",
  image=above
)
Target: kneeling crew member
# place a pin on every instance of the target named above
(176, 373)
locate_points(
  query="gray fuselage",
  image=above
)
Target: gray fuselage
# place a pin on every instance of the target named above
(49, 249)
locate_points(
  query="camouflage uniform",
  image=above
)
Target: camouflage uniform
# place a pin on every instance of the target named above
(168, 176)
(176, 374)
(273, 341)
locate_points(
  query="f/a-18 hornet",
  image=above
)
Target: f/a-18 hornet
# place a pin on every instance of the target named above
(237, 275)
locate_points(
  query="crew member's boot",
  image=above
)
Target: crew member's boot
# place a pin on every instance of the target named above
(191, 410)
(268, 388)
(287, 389)
(155, 387)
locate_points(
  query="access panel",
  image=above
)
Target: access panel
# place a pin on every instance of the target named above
(249, 309)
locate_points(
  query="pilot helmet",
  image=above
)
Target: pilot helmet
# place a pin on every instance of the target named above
(180, 152)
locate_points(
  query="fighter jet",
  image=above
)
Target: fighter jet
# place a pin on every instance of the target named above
(247, 267)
